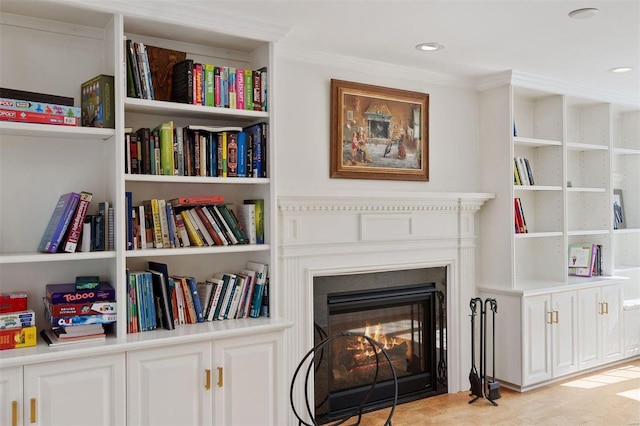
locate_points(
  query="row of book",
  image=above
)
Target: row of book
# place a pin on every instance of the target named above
(197, 150)
(158, 299)
(522, 173)
(585, 260)
(71, 228)
(17, 322)
(79, 311)
(520, 222)
(193, 222)
(164, 74)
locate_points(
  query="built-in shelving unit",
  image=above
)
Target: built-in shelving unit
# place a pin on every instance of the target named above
(38, 162)
(581, 151)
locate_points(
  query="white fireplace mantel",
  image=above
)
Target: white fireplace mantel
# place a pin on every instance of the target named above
(347, 234)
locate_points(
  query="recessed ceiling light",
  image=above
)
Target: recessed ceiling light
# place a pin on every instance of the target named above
(620, 70)
(430, 46)
(584, 13)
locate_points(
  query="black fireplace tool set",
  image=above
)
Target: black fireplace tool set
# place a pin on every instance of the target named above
(481, 386)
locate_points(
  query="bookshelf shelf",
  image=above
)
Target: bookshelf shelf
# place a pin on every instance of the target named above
(195, 251)
(537, 188)
(197, 180)
(575, 146)
(12, 258)
(146, 106)
(575, 189)
(538, 235)
(53, 131)
(534, 142)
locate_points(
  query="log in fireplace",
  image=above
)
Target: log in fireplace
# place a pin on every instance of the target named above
(408, 321)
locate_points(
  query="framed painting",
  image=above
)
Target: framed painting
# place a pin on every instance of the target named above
(378, 132)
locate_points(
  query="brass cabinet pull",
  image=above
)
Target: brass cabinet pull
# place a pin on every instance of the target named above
(556, 314)
(550, 317)
(207, 384)
(601, 308)
(14, 413)
(33, 410)
(219, 377)
(606, 307)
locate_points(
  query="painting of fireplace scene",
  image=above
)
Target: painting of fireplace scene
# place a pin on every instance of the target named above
(378, 132)
(407, 321)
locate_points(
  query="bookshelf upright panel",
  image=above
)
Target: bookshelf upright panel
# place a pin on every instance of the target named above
(53, 48)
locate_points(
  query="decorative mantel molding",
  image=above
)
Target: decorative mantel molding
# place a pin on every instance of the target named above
(346, 234)
(389, 203)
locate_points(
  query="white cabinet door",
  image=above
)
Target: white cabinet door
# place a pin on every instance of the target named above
(11, 396)
(589, 312)
(564, 333)
(82, 391)
(170, 385)
(247, 371)
(612, 326)
(601, 332)
(537, 339)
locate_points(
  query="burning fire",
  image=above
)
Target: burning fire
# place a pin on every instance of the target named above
(364, 349)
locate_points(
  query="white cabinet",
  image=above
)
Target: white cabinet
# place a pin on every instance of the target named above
(170, 385)
(601, 333)
(228, 382)
(549, 324)
(247, 386)
(11, 396)
(85, 391)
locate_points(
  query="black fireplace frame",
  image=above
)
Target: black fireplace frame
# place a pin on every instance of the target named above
(410, 388)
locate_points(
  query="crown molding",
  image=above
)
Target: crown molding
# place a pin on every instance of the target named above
(297, 54)
(194, 14)
(530, 81)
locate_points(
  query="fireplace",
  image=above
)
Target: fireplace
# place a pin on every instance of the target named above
(358, 240)
(407, 320)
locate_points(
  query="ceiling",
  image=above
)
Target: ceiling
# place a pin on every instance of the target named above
(481, 37)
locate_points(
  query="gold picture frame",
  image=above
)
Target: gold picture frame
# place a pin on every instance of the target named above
(378, 132)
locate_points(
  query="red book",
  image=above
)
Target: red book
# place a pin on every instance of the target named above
(196, 200)
(77, 222)
(37, 117)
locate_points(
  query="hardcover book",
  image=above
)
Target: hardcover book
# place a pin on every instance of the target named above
(75, 228)
(59, 222)
(259, 218)
(182, 86)
(98, 103)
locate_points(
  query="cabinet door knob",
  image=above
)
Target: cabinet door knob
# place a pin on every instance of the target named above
(219, 377)
(33, 410)
(207, 384)
(14, 413)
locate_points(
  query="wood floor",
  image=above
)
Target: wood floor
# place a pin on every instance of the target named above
(610, 396)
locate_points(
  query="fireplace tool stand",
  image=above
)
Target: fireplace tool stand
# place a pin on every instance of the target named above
(480, 384)
(312, 358)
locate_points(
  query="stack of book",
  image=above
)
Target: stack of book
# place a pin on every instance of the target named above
(78, 315)
(17, 323)
(31, 107)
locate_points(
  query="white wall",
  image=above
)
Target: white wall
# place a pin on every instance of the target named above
(302, 118)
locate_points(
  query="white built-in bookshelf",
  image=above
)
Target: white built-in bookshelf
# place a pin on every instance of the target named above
(581, 151)
(54, 48)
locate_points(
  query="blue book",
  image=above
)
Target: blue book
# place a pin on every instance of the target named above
(59, 222)
(242, 154)
(193, 286)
